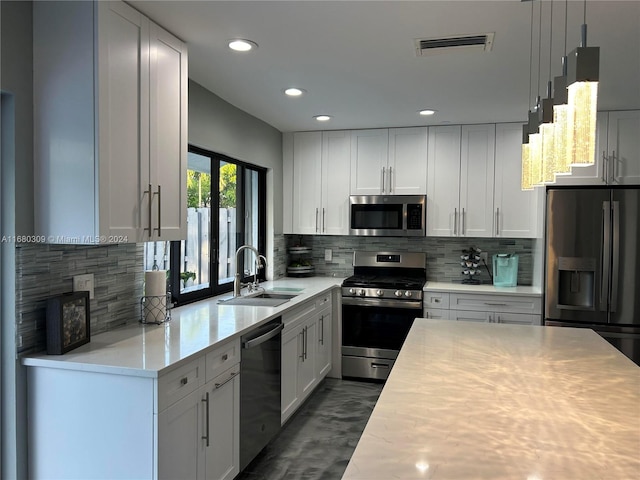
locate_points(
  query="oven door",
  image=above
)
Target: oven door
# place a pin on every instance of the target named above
(373, 332)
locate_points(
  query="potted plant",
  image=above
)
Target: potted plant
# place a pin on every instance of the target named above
(187, 278)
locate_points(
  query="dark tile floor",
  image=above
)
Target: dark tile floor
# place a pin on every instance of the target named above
(318, 441)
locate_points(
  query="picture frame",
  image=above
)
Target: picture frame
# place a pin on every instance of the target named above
(68, 322)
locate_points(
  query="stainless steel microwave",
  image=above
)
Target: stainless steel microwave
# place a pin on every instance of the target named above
(388, 215)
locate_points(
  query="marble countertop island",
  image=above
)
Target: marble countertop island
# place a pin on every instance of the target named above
(494, 401)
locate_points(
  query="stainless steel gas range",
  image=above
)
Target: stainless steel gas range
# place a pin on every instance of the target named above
(379, 303)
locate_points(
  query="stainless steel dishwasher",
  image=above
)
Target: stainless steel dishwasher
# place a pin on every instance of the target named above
(259, 389)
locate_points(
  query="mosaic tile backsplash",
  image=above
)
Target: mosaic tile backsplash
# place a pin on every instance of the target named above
(443, 253)
(43, 271)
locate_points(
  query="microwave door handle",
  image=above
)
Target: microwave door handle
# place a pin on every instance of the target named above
(615, 251)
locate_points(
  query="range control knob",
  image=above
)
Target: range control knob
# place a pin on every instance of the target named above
(407, 294)
(361, 292)
(398, 293)
(352, 291)
(379, 293)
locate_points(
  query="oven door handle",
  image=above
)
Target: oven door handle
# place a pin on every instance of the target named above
(378, 302)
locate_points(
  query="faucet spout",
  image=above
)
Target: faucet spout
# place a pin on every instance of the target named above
(237, 281)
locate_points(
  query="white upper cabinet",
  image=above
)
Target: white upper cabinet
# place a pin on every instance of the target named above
(460, 181)
(407, 165)
(515, 210)
(110, 117)
(389, 161)
(320, 198)
(369, 154)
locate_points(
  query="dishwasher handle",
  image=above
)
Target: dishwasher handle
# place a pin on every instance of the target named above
(262, 337)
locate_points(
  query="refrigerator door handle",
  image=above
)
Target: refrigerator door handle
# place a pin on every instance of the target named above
(606, 255)
(615, 270)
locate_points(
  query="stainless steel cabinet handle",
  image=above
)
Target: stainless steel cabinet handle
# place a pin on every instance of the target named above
(206, 436)
(383, 174)
(390, 181)
(321, 341)
(615, 268)
(224, 357)
(495, 303)
(614, 175)
(604, 166)
(323, 224)
(380, 365)
(302, 349)
(455, 221)
(231, 375)
(184, 381)
(306, 339)
(490, 319)
(497, 221)
(316, 220)
(464, 226)
(159, 229)
(150, 194)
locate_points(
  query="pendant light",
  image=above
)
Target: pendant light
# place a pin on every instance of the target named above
(535, 137)
(583, 66)
(547, 128)
(561, 111)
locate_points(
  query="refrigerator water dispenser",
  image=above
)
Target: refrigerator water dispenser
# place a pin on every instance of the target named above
(576, 282)
(505, 270)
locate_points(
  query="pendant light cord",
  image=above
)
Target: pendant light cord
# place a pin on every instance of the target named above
(531, 58)
(539, 55)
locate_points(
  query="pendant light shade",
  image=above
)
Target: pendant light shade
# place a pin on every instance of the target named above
(582, 77)
(535, 149)
(525, 183)
(560, 119)
(547, 131)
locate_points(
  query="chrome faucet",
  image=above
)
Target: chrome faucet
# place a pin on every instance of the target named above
(237, 283)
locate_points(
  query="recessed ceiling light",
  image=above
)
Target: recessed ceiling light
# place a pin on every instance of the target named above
(294, 92)
(242, 45)
(426, 112)
(322, 118)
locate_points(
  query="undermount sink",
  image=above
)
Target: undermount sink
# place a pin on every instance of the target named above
(264, 299)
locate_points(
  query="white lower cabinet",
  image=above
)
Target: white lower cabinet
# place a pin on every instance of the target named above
(492, 308)
(306, 351)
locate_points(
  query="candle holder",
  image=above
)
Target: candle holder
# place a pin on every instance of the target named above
(155, 309)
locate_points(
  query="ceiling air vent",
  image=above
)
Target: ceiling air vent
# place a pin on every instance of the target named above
(459, 43)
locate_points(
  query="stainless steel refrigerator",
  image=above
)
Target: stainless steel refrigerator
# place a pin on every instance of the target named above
(592, 272)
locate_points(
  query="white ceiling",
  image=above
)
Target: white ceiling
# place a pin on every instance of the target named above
(357, 61)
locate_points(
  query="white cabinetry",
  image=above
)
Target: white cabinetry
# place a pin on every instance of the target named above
(110, 140)
(617, 157)
(494, 308)
(389, 161)
(321, 183)
(515, 210)
(306, 351)
(460, 181)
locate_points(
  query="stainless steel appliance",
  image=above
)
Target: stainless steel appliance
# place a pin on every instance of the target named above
(388, 215)
(259, 389)
(593, 263)
(379, 303)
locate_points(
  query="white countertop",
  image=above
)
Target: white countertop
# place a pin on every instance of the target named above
(145, 350)
(484, 289)
(493, 401)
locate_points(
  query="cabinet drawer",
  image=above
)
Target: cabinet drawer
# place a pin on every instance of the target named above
(323, 301)
(435, 300)
(222, 358)
(179, 383)
(436, 314)
(496, 303)
(469, 316)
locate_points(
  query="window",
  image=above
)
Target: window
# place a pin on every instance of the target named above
(226, 208)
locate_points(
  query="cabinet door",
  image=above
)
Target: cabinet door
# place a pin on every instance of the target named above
(516, 318)
(407, 165)
(369, 153)
(623, 147)
(336, 158)
(181, 449)
(289, 391)
(514, 209)
(167, 136)
(307, 172)
(307, 372)
(223, 454)
(325, 332)
(443, 181)
(123, 120)
(476, 180)
(469, 315)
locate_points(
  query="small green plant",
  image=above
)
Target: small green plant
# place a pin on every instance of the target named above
(185, 276)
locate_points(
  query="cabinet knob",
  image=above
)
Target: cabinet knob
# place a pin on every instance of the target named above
(184, 380)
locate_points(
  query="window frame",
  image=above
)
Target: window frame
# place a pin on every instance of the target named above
(215, 287)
